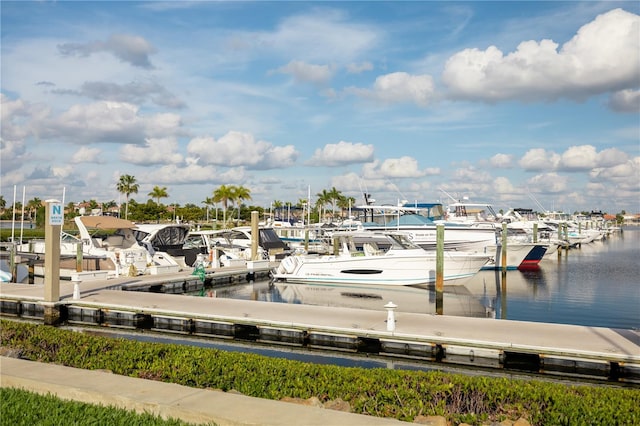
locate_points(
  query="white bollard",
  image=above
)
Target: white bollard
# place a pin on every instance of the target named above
(391, 316)
(76, 287)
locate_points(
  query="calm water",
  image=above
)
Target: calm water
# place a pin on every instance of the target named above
(596, 285)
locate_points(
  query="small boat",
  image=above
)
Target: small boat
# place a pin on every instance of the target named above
(239, 238)
(403, 263)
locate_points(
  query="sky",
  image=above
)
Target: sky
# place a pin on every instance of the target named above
(518, 104)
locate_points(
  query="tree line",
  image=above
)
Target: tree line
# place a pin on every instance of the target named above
(329, 204)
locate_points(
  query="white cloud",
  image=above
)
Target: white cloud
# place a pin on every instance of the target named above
(96, 122)
(322, 36)
(134, 92)
(625, 101)
(86, 155)
(502, 185)
(241, 149)
(13, 154)
(18, 116)
(155, 151)
(548, 183)
(308, 73)
(173, 174)
(399, 87)
(604, 55)
(539, 159)
(611, 157)
(342, 153)
(501, 161)
(574, 159)
(579, 158)
(357, 68)
(131, 49)
(629, 170)
(403, 167)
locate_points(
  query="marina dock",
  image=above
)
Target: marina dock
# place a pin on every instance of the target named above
(549, 349)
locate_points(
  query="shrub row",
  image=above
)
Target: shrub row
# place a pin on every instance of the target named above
(379, 392)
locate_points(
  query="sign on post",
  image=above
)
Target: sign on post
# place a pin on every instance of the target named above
(56, 214)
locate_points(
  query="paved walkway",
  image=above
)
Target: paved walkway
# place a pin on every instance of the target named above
(170, 400)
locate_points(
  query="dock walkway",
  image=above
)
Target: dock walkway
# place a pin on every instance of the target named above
(555, 349)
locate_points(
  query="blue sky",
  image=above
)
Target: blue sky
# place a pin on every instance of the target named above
(501, 102)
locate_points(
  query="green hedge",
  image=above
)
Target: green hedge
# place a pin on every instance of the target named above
(23, 408)
(379, 392)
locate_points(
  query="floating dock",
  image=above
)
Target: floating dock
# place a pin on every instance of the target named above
(550, 349)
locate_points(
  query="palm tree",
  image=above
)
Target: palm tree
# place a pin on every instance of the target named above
(209, 202)
(158, 193)
(127, 186)
(277, 205)
(223, 195)
(33, 206)
(323, 198)
(345, 203)
(334, 196)
(240, 193)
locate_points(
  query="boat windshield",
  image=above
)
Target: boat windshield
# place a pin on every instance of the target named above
(399, 241)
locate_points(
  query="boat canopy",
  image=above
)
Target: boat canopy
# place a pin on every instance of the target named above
(106, 222)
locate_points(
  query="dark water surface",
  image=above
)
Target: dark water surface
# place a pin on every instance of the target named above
(595, 285)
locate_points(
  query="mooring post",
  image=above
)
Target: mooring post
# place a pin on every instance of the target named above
(535, 233)
(76, 286)
(31, 271)
(255, 234)
(439, 269)
(503, 249)
(13, 265)
(503, 295)
(79, 257)
(391, 316)
(54, 218)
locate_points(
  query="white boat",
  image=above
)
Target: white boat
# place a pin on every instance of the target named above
(403, 263)
(166, 244)
(300, 237)
(269, 243)
(420, 220)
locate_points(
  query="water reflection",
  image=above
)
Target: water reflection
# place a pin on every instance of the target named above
(457, 299)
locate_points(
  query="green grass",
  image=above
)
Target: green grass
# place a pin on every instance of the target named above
(19, 407)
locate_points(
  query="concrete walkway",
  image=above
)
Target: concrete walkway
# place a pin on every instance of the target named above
(170, 400)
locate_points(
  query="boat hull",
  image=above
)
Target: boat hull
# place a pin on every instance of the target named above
(519, 256)
(417, 270)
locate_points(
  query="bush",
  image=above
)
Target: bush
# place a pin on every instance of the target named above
(379, 392)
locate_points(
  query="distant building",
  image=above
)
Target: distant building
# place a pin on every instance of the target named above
(631, 219)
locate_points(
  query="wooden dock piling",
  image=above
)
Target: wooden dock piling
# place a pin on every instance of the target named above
(439, 269)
